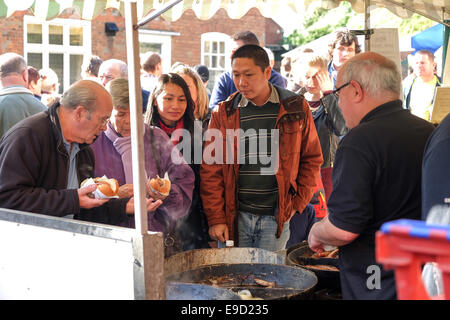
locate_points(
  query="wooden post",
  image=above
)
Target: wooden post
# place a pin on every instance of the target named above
(149, 247)
(367, 25)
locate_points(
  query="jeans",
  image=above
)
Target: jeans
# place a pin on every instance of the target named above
(259, 231)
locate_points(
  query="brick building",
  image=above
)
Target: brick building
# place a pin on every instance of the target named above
(61, 43)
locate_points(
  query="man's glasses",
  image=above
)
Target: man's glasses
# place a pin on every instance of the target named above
(336, 92)
(107, 77)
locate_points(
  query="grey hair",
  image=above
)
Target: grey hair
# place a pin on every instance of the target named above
(81, 93)
(11, 63)
(118, 89)
(123, 68)
(375, 75)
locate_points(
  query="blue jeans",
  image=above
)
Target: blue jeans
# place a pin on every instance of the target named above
(259, 231)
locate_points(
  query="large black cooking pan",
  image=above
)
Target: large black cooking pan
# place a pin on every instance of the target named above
(191, 291)
(290, 282)
(300, 255)
(192, 259)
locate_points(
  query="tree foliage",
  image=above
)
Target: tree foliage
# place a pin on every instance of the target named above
(314, 29)
(322, 22)
(414, 24)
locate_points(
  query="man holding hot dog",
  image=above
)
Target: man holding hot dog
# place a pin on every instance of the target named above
(44, 158)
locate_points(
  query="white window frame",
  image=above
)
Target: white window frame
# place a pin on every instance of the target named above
(164, 38)
(66, 49)
(216, 36)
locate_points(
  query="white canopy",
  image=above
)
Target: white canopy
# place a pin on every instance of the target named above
(437, 10)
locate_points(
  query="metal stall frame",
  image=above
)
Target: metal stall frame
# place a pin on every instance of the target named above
(153, 256)
(144, 250)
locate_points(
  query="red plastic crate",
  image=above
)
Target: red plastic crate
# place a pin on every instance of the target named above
(405, 246)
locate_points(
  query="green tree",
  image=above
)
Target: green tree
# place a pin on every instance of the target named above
(314, 28)
(414, 24)
(322, 21)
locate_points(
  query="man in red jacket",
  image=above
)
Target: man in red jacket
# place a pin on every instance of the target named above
(262, 197)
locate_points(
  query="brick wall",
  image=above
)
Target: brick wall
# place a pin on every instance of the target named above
(274, 32)
(108, 47)
(185, 48)
(11, 33)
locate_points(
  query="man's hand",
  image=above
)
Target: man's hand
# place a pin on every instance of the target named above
(325, 233)
(313, 241)
(151, 204)
(219, 232)
(86, 200)
(324, 81)
(126, 191)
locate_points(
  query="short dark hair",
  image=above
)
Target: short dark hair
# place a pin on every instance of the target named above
(150, 61)
(254, 52)
(202, 71)
(247, 37)
(33, 75)
(93, 65)
(343, 37)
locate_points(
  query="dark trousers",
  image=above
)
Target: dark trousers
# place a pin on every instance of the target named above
(300, 225)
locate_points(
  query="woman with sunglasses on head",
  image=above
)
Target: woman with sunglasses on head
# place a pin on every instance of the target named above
(198, 91)
(171, 107)
(112, 152)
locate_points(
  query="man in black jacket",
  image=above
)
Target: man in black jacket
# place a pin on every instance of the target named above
(44, 158)
(377, 174)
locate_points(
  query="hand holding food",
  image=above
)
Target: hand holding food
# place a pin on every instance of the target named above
(85, 198)
(106, 188)
(159, 188)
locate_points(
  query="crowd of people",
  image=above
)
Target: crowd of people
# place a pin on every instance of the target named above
(325, 151)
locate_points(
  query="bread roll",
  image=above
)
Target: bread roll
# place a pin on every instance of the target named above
(109, 187)
(161, 185)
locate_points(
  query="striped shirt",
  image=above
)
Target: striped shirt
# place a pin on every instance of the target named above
(257, 192)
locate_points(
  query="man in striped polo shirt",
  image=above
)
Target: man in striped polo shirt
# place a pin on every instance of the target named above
(276, 153)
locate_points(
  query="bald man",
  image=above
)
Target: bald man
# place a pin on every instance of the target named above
(45, 157)
(16, 101)
(376, 176)
(113, 69)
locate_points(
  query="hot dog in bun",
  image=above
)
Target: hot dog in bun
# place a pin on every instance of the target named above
(109, 187)
(160, 185)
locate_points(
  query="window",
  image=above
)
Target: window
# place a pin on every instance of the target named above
(215, 54)
(160, 42)
(59, 44)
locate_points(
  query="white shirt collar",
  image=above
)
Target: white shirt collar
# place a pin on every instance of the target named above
(274, 98)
